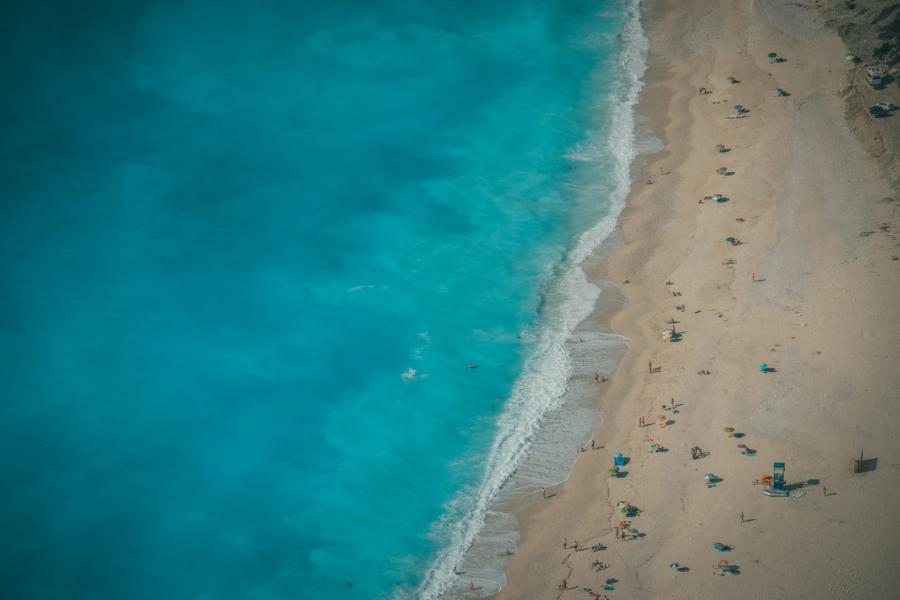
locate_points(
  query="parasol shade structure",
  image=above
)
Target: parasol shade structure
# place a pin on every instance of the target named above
(772, 56)
(729, 431)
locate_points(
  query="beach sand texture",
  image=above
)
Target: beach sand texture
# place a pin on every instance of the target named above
(819, 236)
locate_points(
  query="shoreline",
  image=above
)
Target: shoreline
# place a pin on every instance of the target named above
(550, 448)
(582, 507)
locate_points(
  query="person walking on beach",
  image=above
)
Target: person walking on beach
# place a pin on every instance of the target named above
(544, 492)
(565, 543)
(742, 517)
(650, 366)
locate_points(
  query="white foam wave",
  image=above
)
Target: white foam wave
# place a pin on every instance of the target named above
(368, 286)
(544, 381)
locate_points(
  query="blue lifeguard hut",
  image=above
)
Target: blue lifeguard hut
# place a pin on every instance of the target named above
(778, 487)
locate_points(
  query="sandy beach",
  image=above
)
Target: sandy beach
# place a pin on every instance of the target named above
(811, 289)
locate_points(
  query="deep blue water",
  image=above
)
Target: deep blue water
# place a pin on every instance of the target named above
(229, 228)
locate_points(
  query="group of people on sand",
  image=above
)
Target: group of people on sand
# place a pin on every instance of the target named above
(624, 531)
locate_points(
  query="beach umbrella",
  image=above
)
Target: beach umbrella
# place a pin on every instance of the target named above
(742, 445)
(763, 367)
(772, 56)
(738, 107)
(731, 79)
(729, 430)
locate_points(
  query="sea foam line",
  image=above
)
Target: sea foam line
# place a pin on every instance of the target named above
(545, 377)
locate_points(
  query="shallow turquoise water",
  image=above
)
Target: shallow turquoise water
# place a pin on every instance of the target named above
(229, 230)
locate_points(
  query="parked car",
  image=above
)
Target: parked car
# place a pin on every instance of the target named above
(876, 111)
(873, 76)
(886, 106)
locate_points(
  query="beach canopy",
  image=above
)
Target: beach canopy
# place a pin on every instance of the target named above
(729, 430)
(772, 54)
(763, 367)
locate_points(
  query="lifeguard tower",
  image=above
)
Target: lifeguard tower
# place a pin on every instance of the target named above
(778, 487)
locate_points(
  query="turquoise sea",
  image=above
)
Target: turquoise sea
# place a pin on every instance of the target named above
(249, 252)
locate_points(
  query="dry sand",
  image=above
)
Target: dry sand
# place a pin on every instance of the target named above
(819, 233)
